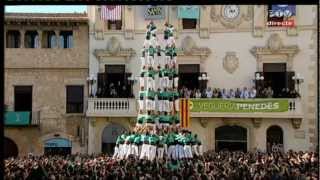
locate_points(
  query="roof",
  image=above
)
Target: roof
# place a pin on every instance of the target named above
(46, 17)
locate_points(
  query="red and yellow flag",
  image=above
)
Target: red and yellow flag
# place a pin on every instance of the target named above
(184, 113)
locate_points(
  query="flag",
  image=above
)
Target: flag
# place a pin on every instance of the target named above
(184, 113)
(188, 12)
(112, 13)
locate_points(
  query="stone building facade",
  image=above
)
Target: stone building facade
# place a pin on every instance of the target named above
(47, 52)
(229, 51)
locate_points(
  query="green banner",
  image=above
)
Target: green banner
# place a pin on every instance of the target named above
(239, 106)
(17, 118)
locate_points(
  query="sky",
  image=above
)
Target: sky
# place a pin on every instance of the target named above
(46, 9)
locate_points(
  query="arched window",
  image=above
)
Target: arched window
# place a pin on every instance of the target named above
(49, 39)
(10, 148)
(66, 39)
(274, 138)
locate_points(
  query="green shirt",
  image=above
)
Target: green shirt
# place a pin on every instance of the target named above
(150, 119)
(142, 94)
(141, 118)
(150, 94)
(137, 139)
(165, 95)
(171, 138)
(144, 137)
(150, 73)
(153, 139)
(152, 51)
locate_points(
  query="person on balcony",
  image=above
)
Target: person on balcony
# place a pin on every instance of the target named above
(209, 92)
(252, 93)
(269, 92)
(224, 94)
(237, 93)
(232, 94)
(198, 94)
(244, 93)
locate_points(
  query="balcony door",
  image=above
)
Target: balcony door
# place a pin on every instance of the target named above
(276, 76)
(188, 75)
(23, 98)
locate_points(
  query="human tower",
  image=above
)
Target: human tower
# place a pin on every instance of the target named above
(158, 133)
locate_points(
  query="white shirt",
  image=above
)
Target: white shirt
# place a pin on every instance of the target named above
(244, 94)
(209, 93)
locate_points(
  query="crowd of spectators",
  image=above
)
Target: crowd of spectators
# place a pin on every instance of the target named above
(244, 93)
(212, 166)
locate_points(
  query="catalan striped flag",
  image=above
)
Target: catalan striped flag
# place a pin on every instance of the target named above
(184, 113)
(111, 13)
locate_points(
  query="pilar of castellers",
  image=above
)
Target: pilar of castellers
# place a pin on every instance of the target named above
(158, 133)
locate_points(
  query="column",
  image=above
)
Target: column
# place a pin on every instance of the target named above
(258, 20)
(22, 32)
(57, 38)
(98, 25)
(128, 21)
(204, 21)
(40, 38)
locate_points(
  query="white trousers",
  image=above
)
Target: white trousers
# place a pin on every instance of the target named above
(150, 61)
(152, 152)
(175, 82)
(171, 105)
(160, 152)
(171, 152)
(161, 105)
(162, 83)
(141, 104)
(195, 150)
(141, 82)
(167, 60)
(149, 105)
(150, 83)
(188, 151)
(144, 151)
(170, 83)
(166, 82)
(167, 106)
(116, 152)
(200, 150)
(121, 151)
(179, 151)
(176, 104)
(135, 150)
(143, 61)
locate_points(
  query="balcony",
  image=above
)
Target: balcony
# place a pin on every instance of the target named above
(22, 119)
(112, 107)
(247, 108)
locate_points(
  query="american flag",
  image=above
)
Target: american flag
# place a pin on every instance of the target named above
(111, 13)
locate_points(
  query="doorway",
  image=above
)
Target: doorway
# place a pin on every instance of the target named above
(109, 137)
(274, 137)
(231, 138)
(10, 148)
(277, 77)
(188, 76)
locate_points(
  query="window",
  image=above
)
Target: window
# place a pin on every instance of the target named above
(74, 99)
(23, 98)
(115, 25)
(66, 39)
(189, 23)
(13, 39)
(49, 39)
(31, 39)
